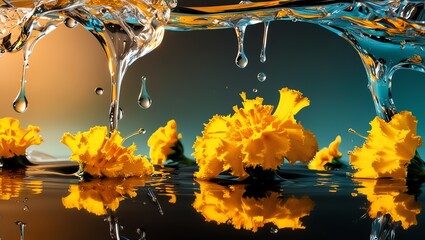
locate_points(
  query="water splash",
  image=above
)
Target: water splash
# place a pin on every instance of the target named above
(264, 44)
(144, 100)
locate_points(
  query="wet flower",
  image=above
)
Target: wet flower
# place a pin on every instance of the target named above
(165, 145)
(328, 157)
(100, 195)
(14, 141)
(13, 184)
(388, 149)
(228, 205)
(254, 137)
(388, 196)
(102, 156)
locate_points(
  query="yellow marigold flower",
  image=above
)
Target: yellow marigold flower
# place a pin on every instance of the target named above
(388, 149)
(102, 156)
(99, 195)
(162, 141)
(13, 184)
(326, 156)
(255, 137)
(228, 205)
(14, 140)
(165, 145)
(387, 196)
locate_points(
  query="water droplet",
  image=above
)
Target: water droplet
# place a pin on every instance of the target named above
(294, 20)
(261, 77)
(254, 90)
(70, 23)
(144, 99)
(241, 59)
(99, 91)
(20, 104)
(25, 200)
(264, 45)
(274, 230)
(26, 208)
(143, 131)
(172, 3)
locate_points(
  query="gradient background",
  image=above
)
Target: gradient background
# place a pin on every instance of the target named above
(192, 76)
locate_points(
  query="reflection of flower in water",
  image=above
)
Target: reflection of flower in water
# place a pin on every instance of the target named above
(165, 145)
(254, 137)
(13, 184)
(164, 187)
(102, 156)
(14, 141)
(388, 149)
(328, 157)
(389, 197)
(99, 195)
(228, 205)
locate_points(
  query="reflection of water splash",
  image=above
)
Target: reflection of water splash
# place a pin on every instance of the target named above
(383, 228)
(21, 226)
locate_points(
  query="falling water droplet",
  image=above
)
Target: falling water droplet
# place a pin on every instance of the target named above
(274, 230)
(70, 23)
(20, 104)
(254, 90)
(99, 91)
(144, 99)
(241, 59)
(263, 47)
(261, 77)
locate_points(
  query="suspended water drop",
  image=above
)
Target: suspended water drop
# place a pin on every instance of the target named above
(274, 230)
(70, 23)
(144, 99)
(261, 77)
(20, 104)
(254, 90)
(26, 208)
(99, 91)
(241, 59)
(263, 47)
(172, 3)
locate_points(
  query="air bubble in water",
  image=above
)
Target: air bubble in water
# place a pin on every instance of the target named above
(70, 23)
(99, 91)
(144, 99)
(261, 77)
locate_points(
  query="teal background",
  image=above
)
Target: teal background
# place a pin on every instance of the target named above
(192, 76)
